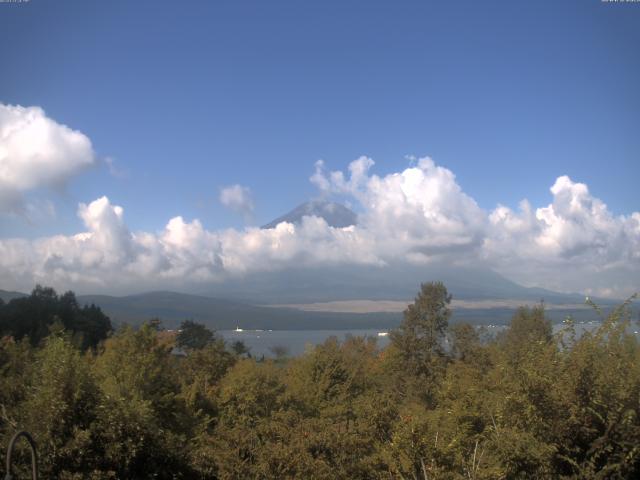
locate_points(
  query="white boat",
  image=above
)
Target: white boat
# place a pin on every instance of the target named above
(238, 329)
(383, 334)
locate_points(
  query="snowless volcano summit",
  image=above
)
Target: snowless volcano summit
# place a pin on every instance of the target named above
(335, 214)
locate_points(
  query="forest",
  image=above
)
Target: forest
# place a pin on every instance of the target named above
(442, 401)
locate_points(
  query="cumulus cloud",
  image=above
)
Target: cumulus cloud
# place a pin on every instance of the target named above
(419, 215)
(36, 151)
(237, 198)
(574, 242)
(108, 255)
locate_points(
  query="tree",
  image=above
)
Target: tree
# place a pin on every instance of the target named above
(61, 406)
(32, 316)
(529, 329)
(240, 348)
(466, 344)
(200, 373)
(16, 366)
(90, 325)
(598, 387)
(249, 395)
(193, 335)
(419, 340)
(279, 351)
(142, 422)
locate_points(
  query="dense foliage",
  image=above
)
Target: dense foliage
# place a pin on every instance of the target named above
(32, 317)
(439, 402)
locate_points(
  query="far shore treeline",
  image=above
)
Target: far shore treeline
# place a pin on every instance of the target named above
(145, 402)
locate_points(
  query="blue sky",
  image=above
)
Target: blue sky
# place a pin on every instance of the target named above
(189, 97)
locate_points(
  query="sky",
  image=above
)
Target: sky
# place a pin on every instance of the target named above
(147, 140)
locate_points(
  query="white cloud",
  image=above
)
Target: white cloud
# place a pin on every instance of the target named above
(312, 243)
(417, 215)
(420, 212)
(35, 152)
(237, 198)
(108, 256)
(319, 179)
(573, 243)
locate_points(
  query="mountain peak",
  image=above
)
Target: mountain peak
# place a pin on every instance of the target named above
(335, 214)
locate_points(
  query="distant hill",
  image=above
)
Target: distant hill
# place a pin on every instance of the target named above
(7, 296)
(173, 307)
(392, 282)
(335, 214)
(245, 301)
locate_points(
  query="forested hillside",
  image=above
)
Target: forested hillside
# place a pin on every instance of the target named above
(527, 404)
(34, 316)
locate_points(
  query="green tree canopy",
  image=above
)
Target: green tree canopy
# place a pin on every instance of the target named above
(529, 327)
(193, 335)
(524, 405)
(32, 316)
(419, 340)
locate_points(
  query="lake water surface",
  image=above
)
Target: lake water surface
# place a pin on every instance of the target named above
(261, 342)
(295, 341)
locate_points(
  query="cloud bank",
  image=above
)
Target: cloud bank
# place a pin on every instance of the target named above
(419, 215)
(35, 152)
(574, 242)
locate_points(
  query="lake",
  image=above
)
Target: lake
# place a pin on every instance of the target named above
(296, 341)
(262, 341)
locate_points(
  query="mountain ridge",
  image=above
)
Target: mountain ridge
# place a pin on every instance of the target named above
(224, 314)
